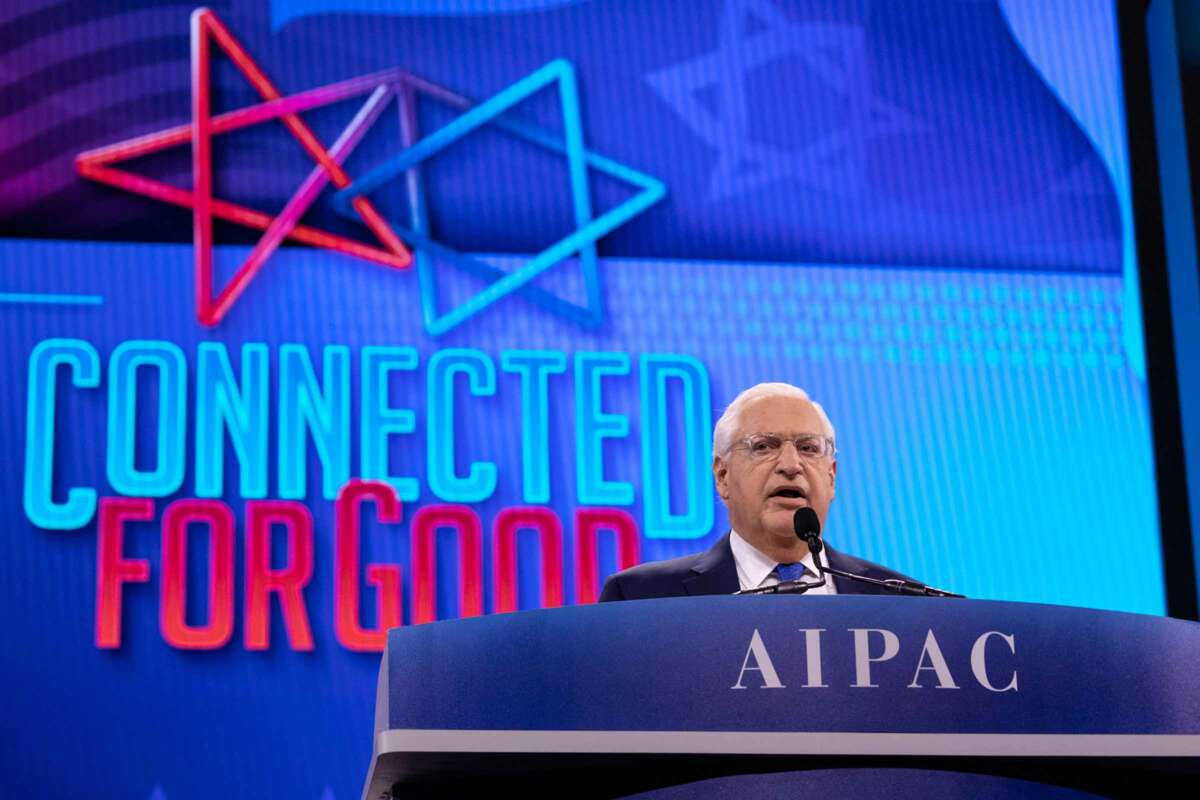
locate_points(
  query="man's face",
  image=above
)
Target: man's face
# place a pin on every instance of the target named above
(762, 494)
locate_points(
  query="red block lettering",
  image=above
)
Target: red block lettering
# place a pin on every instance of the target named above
(113, 571)
(173, 609)
(588, 521)
(504, 545)
(384, 577)
(288, 582)
(424, 555)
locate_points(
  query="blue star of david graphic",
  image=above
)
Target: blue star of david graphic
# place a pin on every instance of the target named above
(834, 53)
(581, 241)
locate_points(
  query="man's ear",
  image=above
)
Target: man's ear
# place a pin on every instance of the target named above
(833, 479)
(721, 477)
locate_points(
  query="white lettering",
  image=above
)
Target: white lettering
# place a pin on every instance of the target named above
(812, 649)
(979, 661)
(862, 654)
(937, 663)
(762, 664)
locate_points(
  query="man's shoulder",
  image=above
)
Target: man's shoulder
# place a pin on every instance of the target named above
(715, 572)
(652, 579)
(663, 578)
(655, 570)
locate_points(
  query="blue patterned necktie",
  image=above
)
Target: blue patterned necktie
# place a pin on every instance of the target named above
(789, 572)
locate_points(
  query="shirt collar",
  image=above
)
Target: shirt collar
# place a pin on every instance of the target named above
(755, 566)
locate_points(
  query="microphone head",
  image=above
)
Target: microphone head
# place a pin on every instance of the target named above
(806, 524)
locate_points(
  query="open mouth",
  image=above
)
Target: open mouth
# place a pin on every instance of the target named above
(789, 492)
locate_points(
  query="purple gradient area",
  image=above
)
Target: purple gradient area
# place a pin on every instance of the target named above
(932, 142)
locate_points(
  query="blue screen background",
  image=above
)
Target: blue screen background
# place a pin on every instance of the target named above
(919, 212)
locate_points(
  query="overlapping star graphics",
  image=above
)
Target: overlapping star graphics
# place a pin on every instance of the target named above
(352, 198)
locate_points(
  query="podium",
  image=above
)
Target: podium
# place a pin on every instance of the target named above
(846, 695)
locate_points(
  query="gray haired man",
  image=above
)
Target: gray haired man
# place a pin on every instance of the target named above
(774, 451)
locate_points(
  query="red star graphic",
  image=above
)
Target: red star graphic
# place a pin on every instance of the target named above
(98, 164)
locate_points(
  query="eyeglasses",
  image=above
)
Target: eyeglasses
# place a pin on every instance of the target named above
(768, 446)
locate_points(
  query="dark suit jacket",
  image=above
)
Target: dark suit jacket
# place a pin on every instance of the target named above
(715, 572)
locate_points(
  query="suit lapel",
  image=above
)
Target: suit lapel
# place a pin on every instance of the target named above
(715, 572)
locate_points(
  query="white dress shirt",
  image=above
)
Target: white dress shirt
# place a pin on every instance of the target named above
(755, 569)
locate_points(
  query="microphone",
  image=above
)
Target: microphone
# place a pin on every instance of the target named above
(807, 526)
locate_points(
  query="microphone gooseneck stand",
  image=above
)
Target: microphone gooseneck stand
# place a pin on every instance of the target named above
(897, 585)
(785, 587)
(808, 528)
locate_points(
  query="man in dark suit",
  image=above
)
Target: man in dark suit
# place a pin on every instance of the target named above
(773, 452)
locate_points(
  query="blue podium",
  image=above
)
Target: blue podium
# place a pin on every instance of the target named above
(723, 696)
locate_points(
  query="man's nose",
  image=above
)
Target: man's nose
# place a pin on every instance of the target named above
(789, 461)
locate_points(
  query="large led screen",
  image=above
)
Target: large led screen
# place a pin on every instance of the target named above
(325, 316)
